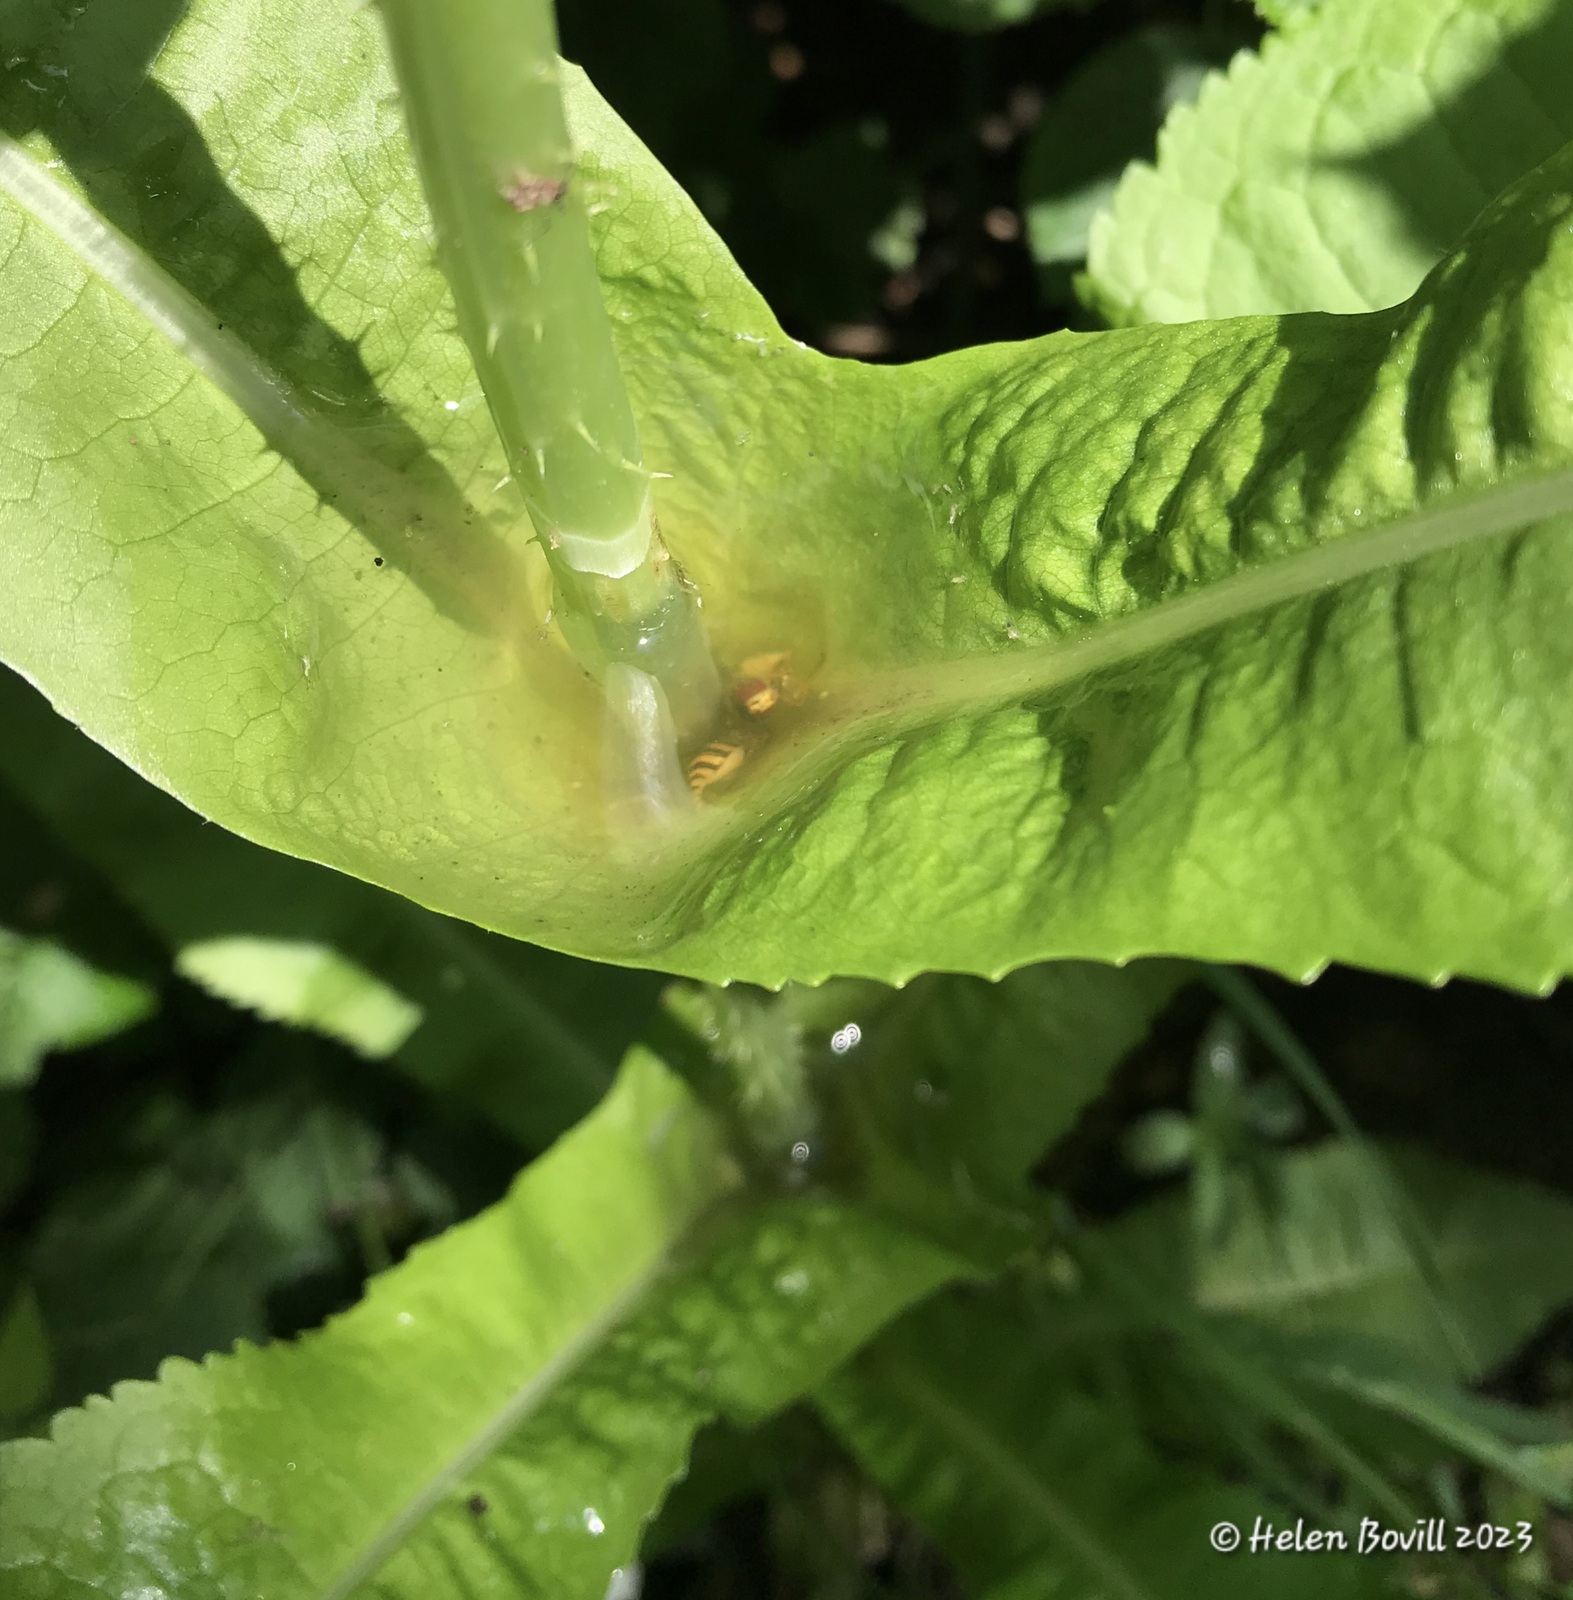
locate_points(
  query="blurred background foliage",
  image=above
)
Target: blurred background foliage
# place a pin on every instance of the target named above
(897, 188)
(1314, 1242)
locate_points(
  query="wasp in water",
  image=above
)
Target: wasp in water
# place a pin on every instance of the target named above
(714, 764)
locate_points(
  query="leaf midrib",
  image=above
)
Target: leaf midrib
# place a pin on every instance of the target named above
(887, 705)
(1016, 1476)
(327, 456)
(1455, 1259)
(879, 706)
(508, 1418)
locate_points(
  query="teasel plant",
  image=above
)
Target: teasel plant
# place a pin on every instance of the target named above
(480, 82)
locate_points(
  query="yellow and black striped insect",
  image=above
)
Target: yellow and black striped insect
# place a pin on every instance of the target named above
(714, 764)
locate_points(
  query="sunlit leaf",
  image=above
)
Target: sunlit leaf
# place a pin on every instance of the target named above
(505, 1409)
(1335, 169)
(51, 1000)
(306, 985)
(1143, 641)
(1106, 116)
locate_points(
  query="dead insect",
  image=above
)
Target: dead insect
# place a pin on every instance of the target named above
(756, 696)
(714, 764)
(524, 191)
(763, 680)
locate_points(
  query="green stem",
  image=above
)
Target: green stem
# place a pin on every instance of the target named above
(483, 102)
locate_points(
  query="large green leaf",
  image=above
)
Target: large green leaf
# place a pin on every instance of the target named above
(1105, 640)
(500, 1414)
(1334, 169)
(1035, 1487)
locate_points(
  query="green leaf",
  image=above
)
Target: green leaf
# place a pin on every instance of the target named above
(175, 1250)
(1220, 1390)
(973, 1081)
(930, 1103)
(50, 1000)
(1143, 641)
(529, 1037)
(1325, 1254)
(1333, 170)
(305, 985)
(1107, 115)
(1033, 1486)
(1527, 1447)
(501, 1413)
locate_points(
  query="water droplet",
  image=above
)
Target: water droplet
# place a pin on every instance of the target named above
(593, 1522)
(450, 405)
(404, 1319)
(801, 1151)
(793, 1283)
(923, 1091)
(844, 1039)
